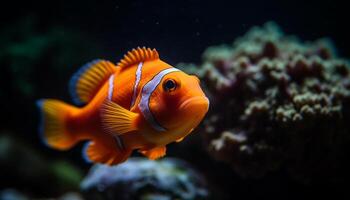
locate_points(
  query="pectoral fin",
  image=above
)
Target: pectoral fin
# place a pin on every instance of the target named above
(154, 153)
(118, 120)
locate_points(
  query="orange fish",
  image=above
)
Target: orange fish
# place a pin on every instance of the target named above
(142, 103)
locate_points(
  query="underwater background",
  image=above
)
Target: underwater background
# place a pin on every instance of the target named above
(276, 73)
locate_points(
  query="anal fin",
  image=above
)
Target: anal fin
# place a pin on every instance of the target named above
(99, 153)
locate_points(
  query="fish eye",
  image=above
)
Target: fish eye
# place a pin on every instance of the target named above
(169, 85)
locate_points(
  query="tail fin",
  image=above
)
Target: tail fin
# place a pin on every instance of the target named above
(53, 129)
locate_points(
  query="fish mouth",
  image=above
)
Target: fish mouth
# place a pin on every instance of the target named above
(196, 104)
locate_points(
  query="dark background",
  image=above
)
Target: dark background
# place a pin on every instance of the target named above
(180, 31)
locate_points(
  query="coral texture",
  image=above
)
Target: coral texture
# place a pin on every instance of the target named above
(25, 168)
(277, 104)
(140, 178)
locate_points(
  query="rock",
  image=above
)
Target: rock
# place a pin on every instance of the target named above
(140, 178)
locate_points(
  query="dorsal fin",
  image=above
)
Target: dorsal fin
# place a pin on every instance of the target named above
(138, 55)
(86, 82)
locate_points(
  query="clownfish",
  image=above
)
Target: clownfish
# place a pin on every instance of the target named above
(141, 103)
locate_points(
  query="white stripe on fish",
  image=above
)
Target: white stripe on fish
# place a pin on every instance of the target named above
(137, 81)
(110, 87)
(147, 90)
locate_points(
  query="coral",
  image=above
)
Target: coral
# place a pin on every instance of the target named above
(27, 170)
(13, 194)
(140, 178)
(277, 104)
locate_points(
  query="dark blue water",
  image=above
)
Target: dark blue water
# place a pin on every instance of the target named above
(182, 29)
(179, 30)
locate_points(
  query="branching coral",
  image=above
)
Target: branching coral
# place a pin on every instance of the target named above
(277, 104)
